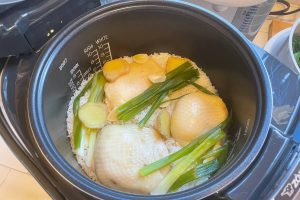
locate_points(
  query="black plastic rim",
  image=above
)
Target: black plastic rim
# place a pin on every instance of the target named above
(62, 168)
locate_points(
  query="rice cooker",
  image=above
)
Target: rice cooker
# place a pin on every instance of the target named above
(56, 51)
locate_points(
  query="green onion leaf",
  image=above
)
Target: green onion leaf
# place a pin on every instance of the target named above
(186, 162)
(77, 133)
(77, 126)
(216, 153)
(81, 94)
(175, 80)
(155, 105)
(201, 171)
(96, 87)
(177, 98)
(201, 88)
(157, 165)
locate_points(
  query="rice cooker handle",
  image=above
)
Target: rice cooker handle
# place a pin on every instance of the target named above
(290, 189)
(290, 186)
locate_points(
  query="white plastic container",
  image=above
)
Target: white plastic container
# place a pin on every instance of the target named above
(281, 46)
(295, 31)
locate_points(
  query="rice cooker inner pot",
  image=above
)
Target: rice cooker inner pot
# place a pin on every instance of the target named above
(126, 29)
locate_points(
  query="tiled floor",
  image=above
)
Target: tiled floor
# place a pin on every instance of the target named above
(17, 184)
(15, 181)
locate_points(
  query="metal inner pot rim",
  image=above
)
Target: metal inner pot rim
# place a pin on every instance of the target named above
(52, 157)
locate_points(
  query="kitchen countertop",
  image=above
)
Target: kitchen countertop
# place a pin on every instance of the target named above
(17, 183)
(263, 35)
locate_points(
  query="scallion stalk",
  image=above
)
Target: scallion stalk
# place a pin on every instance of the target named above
(152, 109)
(96, 88)
(201, 171)
(216, 153)
(96, 95)
(78, 135)
(201, 88)
(79, 138)
(186, 162)
(155, 90)
(175, 80)
(157, 165)
(174, 99)
(91, 147)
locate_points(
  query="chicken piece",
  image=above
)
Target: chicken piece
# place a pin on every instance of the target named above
(195, 114)
(122, 150)
(131, 84)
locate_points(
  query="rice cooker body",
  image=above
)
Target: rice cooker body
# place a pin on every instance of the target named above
(148, 26)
